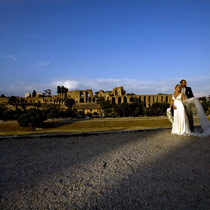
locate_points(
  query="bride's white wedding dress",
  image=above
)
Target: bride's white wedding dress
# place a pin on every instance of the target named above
(180, 125)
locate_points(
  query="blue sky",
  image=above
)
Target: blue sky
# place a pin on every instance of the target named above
(147, 46)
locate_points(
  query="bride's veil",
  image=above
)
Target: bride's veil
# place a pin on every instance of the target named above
(193, 103)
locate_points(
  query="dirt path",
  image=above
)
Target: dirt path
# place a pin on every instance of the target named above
(136, 170)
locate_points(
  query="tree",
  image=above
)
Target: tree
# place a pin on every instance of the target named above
(90, 115)
(12, 100)
(32, 117)
(58, 89)
(52, 111)
(48, 92)
(104, 103)
(34, 93)
(121, 110)
(81, 114)
(69, 102)
(158, 109)
(2, 95)
(62, 89)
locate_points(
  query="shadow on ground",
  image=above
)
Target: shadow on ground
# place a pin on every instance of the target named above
(138, 170)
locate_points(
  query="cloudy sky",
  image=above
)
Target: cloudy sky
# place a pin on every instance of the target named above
(147, 46)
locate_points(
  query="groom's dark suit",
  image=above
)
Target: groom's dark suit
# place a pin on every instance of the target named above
(188, 92)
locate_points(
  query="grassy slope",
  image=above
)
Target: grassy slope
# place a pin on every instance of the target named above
(104, 124)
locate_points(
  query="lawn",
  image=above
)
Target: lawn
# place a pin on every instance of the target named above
(88, 125)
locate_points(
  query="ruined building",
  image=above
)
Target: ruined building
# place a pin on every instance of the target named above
(85, 100)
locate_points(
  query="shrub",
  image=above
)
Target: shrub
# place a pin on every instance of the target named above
(89, 115)
(32, 117)
(24, 120)
(81, 114)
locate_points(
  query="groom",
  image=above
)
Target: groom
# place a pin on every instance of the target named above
(187, 91)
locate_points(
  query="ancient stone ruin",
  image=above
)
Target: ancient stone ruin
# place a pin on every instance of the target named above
(85, 100)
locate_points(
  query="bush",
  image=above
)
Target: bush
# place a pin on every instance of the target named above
(32, 117)
(89, 115)
(24, 120)
(81, 114)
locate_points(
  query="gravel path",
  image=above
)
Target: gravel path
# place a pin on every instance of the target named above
(135, 170)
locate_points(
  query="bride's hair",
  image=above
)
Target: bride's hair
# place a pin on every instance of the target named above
(177, 86)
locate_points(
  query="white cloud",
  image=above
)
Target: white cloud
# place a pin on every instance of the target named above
(12, 57)
(70, 84)
(43, 63)
(200, 86)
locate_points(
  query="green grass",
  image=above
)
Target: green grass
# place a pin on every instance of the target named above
(101, 124)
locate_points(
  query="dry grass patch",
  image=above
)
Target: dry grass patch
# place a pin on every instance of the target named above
(101, 124)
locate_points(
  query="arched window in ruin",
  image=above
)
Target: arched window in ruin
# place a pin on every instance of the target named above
(94, 99)
(144, 99)
(119, 100)
(149, 99)
(81, 100)
(140, 99)
(113, 100)
(125, 99)
(166, 98)
(161, 98)
(89, 100)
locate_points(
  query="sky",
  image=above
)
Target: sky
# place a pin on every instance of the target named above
(146, 46)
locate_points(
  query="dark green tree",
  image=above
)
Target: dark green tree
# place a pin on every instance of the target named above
(69, 102)
(58, 89)
(12, 100)
(33, 117)
(34, 93)
(104, 103)
(48, 92)
(52, 111)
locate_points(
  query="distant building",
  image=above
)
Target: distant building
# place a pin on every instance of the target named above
(30, 94)
(85, 100)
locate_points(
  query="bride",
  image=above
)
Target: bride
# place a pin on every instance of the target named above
(180, 124)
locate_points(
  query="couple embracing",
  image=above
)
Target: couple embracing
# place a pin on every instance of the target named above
(183, 103)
